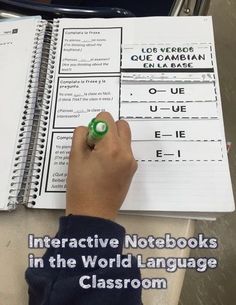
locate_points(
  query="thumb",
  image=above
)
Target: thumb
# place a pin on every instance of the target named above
(79, 142)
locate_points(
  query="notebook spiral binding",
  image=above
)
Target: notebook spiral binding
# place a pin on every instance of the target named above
(33, 129)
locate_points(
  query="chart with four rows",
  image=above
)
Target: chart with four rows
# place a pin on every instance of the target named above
(175, 111)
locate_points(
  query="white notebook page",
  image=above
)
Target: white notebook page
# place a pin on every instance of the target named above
(16, 46)
(160, 75)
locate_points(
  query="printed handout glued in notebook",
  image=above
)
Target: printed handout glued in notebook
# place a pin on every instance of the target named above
(165, 84)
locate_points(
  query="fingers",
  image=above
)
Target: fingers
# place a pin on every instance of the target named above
(112, 135)
(116, 130)
(124, 131)
(119, 129)
(107, 117)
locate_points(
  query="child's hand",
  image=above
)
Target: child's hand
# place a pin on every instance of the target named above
(98, 180)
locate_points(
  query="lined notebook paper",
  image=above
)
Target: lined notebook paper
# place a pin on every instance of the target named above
(159, 74)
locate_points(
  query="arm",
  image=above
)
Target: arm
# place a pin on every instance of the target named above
(98, 181)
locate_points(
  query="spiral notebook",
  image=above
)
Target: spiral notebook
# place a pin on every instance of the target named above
(158, 73)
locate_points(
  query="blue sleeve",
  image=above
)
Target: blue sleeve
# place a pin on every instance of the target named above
(62, 286)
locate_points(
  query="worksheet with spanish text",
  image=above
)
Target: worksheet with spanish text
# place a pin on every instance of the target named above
(159, 74)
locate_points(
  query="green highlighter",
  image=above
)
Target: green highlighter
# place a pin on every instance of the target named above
(97, 130)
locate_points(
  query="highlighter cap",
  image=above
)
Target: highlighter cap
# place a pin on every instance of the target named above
(97, 128)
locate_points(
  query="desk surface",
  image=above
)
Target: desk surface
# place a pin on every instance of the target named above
(15, 227)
